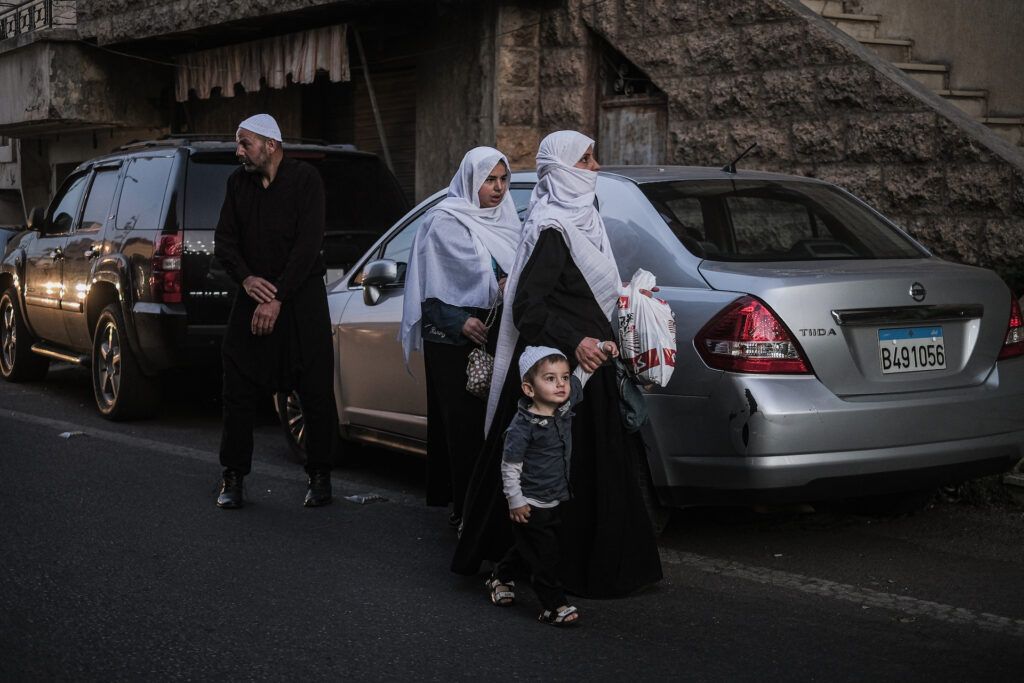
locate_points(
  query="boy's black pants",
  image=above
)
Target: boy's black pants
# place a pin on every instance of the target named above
(535, 553)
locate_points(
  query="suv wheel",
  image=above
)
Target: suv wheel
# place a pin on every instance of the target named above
(121, 389)
(17, 362)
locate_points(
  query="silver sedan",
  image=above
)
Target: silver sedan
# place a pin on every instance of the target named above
(822, 353)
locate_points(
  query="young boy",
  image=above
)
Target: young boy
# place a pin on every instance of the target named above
(535, 478)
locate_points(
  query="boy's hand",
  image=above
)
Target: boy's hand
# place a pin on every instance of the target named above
(520, 515)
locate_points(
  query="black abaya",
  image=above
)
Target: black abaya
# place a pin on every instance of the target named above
(608, 547)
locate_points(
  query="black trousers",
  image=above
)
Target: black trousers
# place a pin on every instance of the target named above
(455, 424)
(535, 553)
(243, 399)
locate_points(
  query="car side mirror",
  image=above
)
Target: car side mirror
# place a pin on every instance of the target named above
(37, 219)
(376, 274)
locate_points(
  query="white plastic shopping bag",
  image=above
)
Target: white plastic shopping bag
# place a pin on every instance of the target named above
(647, 332)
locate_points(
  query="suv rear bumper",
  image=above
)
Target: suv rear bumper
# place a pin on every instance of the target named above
(165, 340)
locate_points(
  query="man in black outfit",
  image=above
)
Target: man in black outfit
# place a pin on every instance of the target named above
(269, 239)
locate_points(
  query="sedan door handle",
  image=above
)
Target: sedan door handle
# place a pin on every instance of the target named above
(57, 253)
(94, 251)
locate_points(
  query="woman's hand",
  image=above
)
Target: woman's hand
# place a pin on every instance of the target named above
(474, 330)
(645, 292)
(590, 355)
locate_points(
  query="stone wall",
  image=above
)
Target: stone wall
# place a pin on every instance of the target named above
(455, 109)
(819, 104)
(64, 12)
(545, 76)
(113, 21)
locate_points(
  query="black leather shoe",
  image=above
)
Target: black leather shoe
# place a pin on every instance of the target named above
(319, 492)
(231, 491)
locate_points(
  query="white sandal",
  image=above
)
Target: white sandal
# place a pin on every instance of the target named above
(504, 597)
(560, 617)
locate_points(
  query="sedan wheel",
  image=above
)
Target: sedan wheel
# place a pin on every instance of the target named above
(293, 423)
(17, 362)
(121, 389)
(289, 412)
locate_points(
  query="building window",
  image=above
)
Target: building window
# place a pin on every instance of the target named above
(6, 149)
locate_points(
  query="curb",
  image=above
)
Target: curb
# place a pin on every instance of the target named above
(1014, 483)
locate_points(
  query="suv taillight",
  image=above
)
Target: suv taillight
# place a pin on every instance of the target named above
(746, 336)
(165, 277)
(1013, 345)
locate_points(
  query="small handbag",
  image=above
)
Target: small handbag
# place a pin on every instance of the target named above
(480, 365)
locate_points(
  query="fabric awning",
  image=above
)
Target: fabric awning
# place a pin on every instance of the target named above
(300, 55)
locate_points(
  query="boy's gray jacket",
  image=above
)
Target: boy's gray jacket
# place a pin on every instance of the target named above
(543, 444)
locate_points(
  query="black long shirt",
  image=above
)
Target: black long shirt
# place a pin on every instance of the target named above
(275, 232)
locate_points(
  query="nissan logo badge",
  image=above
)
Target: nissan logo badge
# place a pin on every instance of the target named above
(917, 291)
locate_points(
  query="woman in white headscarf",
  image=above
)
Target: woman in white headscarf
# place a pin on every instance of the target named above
(457, 266)
(564, 288)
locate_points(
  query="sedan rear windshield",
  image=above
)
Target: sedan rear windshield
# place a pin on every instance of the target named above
(724, 220)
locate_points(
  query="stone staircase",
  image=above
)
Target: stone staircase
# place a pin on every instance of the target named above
(867, 28)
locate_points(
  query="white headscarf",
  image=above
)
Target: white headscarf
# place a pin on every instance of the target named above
(450, 257)
(563, 199)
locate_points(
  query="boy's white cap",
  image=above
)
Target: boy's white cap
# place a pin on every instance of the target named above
(262, 124)
(532, 354)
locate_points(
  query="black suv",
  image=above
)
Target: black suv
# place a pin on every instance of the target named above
(118, 273)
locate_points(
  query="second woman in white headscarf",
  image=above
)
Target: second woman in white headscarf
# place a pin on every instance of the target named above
(562, 292)
(457, 267)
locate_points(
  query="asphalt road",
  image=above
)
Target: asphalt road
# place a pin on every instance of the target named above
(118, 566)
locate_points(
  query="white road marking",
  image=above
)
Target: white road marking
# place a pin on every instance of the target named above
(866, 597)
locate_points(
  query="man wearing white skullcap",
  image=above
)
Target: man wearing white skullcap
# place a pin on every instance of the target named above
(262, 124)
(259, 146)
(278, 338)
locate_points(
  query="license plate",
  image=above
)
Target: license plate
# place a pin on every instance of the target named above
(911, 349)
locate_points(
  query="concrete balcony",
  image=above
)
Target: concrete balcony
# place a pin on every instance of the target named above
(53, 86)
(21, 21)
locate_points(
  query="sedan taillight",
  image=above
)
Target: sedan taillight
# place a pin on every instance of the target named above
(748, 337)
(1013, 345)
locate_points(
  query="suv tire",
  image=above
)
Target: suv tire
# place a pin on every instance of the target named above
(17, 362)
(121, 389)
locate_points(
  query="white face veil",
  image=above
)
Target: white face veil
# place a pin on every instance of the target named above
(450, 257)
(563, 199)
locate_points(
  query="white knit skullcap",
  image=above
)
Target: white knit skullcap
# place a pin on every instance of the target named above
(532, 354)
(262, 124)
